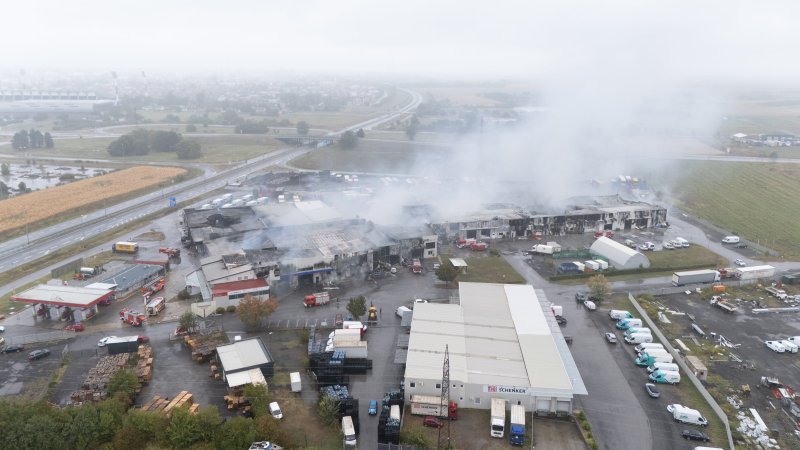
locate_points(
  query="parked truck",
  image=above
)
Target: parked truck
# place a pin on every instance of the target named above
(775, 292)
(639, 338)
(666, 367)
(125, 247)
(722, 304)
(416, 266)
(694, 277)
(498, 418)
(641, 348)
(297, 384)
(754, 272)
(637, 330)
(479, 246)
(431, 405)
(318, 299)
(349, 432)
(516, 433)
(155, 306)
(131, 317)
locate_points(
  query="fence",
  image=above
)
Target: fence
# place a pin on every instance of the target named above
(40, 337)
(689, 374)
(68, 268)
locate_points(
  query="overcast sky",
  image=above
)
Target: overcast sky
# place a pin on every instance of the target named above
(462, 39)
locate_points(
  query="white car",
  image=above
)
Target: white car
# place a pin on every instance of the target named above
(102, 342)
(2, 329)
(589, 305)
(739, 262)
(667, 246)
(435, 266)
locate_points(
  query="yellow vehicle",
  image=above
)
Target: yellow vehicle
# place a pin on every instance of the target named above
(372, 314)
(125, 247)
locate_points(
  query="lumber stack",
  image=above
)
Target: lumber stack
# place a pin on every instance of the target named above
(94, 385)
(204, 347)
(144, 368)
(215, 371)
(165, 406)
(236, 402)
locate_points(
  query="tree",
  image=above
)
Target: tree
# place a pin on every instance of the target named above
(238, 432)
(3, 190)
(164, 141)
(411, 131)
(5, 169)
(184, 429)
(599, 287)
(20, 140)
(269, 428)
(302, 128)
(252, 310)
(357, 306)
(188, 321)
(328, 410)
(188, 149)
(48, 140)
(447, 272)
(22, 187)
(124, 381)
(191, 128)
(348, 140)
(259, 399)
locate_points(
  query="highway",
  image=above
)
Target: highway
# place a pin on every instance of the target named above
(40, 243)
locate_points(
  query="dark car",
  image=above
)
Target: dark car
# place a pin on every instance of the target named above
(338, 320)
(741, 245)
(12, 349)
(580, 297)
(695, 435)
(561, 320)
(651, 390)
(38, 354)
(431, 421)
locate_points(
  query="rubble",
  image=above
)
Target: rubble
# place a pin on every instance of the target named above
(756, 430)
(93, 388)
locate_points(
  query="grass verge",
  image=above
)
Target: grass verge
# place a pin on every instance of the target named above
(490, 269)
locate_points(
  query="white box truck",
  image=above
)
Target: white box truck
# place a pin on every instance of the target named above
(294, 377)
(790, 346)
(695, 276)
(688, 415)
(639, 330)
(754, 272)
(497, 422)
(349, 432)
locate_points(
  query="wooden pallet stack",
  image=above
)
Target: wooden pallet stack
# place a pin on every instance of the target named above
(236, 402)
(204, 347)
(94, 386)
(215, 371)
(165, 406)
(144, 368)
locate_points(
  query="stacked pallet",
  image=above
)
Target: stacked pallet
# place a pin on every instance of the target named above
(165, 406)
(204, 347)
(236, 402)
(94, 386)
(215, 371)
(144, 368)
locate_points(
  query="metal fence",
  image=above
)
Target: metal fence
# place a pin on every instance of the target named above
(689, 374)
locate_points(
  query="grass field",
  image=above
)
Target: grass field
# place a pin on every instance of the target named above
(692, 256)
(32, 208)
(759, 202)
(490, 269)
(375, 156)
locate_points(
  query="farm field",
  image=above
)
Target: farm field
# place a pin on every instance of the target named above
(376, 156)
(756, 201)
(36, 207)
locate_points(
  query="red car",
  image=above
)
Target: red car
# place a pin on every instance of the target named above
(75, 327)
(430, 421)
(143, 339)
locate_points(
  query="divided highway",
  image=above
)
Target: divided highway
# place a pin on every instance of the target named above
(40, 243)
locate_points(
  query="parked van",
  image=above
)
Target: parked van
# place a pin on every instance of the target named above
(638, 338)
(349, 432)
(684, 243)
(730, 240)
(791, 347)
(794, 339)
(664, 366)
(688, 415)
(642, 347)
(619, 314)
(630, 243)
(661, 376)
(275, 410)
(634, 330)
(775, 346)
(401, 311)
(624, 324)
(647, 359)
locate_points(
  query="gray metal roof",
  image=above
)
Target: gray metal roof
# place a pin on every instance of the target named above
(132, 275)
(619, 255)
(244, 354)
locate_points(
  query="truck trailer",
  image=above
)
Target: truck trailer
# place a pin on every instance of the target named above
(497, 422)
(125, 247)
(431, 405)
(695, 276)
(754, 272)
(722, 304)
(516, 433)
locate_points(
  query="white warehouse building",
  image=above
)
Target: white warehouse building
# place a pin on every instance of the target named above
(619, 255)
(501, 345)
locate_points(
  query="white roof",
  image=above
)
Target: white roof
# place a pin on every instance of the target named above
(107, 286)
(242, 354)
(498, 335)
(618, 254)
(64, 295)
(458, 262)
(755, 268)
(252, 376)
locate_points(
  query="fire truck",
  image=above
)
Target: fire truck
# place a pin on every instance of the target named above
(155, 306)
(318, 299)
(151, 288)
(416, 266)
(134, 318)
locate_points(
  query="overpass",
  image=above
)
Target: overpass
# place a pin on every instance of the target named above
(316, 141)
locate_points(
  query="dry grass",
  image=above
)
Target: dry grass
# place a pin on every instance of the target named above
(28, 209)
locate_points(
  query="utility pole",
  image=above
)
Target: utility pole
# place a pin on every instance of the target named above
(444, 441)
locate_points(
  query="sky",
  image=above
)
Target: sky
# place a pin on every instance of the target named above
(678, 40)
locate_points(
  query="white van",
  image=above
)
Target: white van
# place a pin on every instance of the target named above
(653, 345)
(684, 243)
(639, 330)
(791, 347)
(638, 338)
(794, 339)
(775, 346)
(660, 376)
(687, 415)
(624, 324)
(275, 410)
(402, 311)
(730, 240)
(349, 432)
(665, 366)
(619, 314)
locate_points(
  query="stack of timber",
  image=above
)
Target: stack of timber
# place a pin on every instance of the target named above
(144, 368)
(215, 371)
(94, 386)
(165, 406)
(204, 347)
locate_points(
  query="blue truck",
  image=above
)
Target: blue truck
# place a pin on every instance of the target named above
(517, 431)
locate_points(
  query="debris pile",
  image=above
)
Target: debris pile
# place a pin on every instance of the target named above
(93, 388)
(204, 347)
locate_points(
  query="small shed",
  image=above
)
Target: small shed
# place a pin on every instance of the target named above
(245, 362)
(459, 264)
(697, 367)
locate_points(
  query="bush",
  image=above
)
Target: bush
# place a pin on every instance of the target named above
(231, 309)
(581, 416)
(494, 252)
(591, 443)
(585, 426)
(220, 310)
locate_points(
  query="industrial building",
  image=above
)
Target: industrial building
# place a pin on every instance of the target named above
(245, 362)
(501, 344)
(619, 255)
(64, 302)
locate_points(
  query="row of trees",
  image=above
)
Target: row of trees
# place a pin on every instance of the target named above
(25, 139)
(140, 142)
(349, 140)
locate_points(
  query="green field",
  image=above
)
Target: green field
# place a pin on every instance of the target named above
(695, 255)
(759, 202)
(490, 269)
(375, 156)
